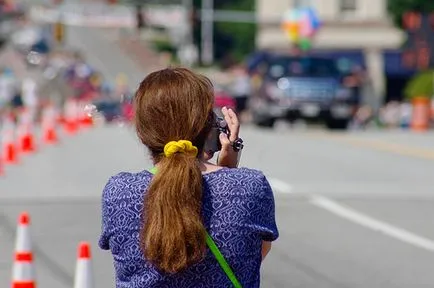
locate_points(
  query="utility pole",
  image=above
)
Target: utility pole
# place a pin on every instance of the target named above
(188, 5)
(207, 32)
(140, 21)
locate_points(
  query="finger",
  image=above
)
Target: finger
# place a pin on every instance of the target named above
(233, 124)
(233, 117)
(225, 112)
(227, 116)
(224, 140)
(228, 119)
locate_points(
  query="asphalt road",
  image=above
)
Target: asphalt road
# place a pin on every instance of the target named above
(353, 211)
(104, 53)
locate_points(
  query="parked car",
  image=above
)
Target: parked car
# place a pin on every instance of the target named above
(111, 110)
(222, 98)
(116, 110)
(302, 87)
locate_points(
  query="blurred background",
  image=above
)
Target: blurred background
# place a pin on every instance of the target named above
(335, 97)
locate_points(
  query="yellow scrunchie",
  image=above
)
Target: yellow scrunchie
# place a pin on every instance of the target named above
(181, 146)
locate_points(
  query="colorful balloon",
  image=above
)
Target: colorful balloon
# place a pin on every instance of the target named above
(301, 25)
(293, 36)
(305, 44)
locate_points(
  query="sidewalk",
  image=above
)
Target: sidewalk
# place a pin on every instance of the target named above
(12, 59)
(140, 51)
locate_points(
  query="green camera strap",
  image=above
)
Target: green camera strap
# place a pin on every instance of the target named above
(217, 254)
(222, 261)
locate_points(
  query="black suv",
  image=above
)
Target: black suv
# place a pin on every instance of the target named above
(302, 87)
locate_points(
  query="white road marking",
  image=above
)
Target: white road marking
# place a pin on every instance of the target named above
(357, 217)
(371, 223)
(279, 186)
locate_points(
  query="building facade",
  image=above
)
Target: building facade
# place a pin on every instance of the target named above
(348, 25)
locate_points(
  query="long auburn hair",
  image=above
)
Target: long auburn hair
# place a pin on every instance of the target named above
(174, 104)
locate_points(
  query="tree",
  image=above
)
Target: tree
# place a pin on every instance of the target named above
(235, 39)
(397, 8)
(239, 36)
(420, 85)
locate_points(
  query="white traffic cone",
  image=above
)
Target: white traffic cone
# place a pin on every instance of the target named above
(83, 270)
(23, 274)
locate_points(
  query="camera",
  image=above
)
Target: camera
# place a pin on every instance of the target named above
(213, 144)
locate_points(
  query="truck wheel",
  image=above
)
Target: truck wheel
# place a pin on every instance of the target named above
(265, 123)
(337, 124)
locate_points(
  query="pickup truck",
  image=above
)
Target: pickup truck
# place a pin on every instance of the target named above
(302, 87)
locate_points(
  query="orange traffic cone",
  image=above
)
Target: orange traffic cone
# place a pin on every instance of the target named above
(27, 143)
(10, 153)
(9, 149)
(26, 137)
(85, 114)
(87, 121)
(71, 117)
(421, 114)
(23, 274)
(50, 136)
(83, 270)
(49, 126)
(2, 170)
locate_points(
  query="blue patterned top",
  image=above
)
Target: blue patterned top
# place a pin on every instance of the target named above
(238, 211)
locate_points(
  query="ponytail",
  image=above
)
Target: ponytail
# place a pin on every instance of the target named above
(174, 104)
(173, 236)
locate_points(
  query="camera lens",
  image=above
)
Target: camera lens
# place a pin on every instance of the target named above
(222, 123)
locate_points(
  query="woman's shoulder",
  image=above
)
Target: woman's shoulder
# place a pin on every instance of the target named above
(130, 178)
(241, 172)
(126, 184)
(249, 178)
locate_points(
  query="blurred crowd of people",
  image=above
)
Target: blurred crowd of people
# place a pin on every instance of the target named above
(66, 75)
(16, 93)
(7, 6)
(233, 88)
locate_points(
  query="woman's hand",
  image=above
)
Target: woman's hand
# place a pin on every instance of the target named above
(228, 157)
